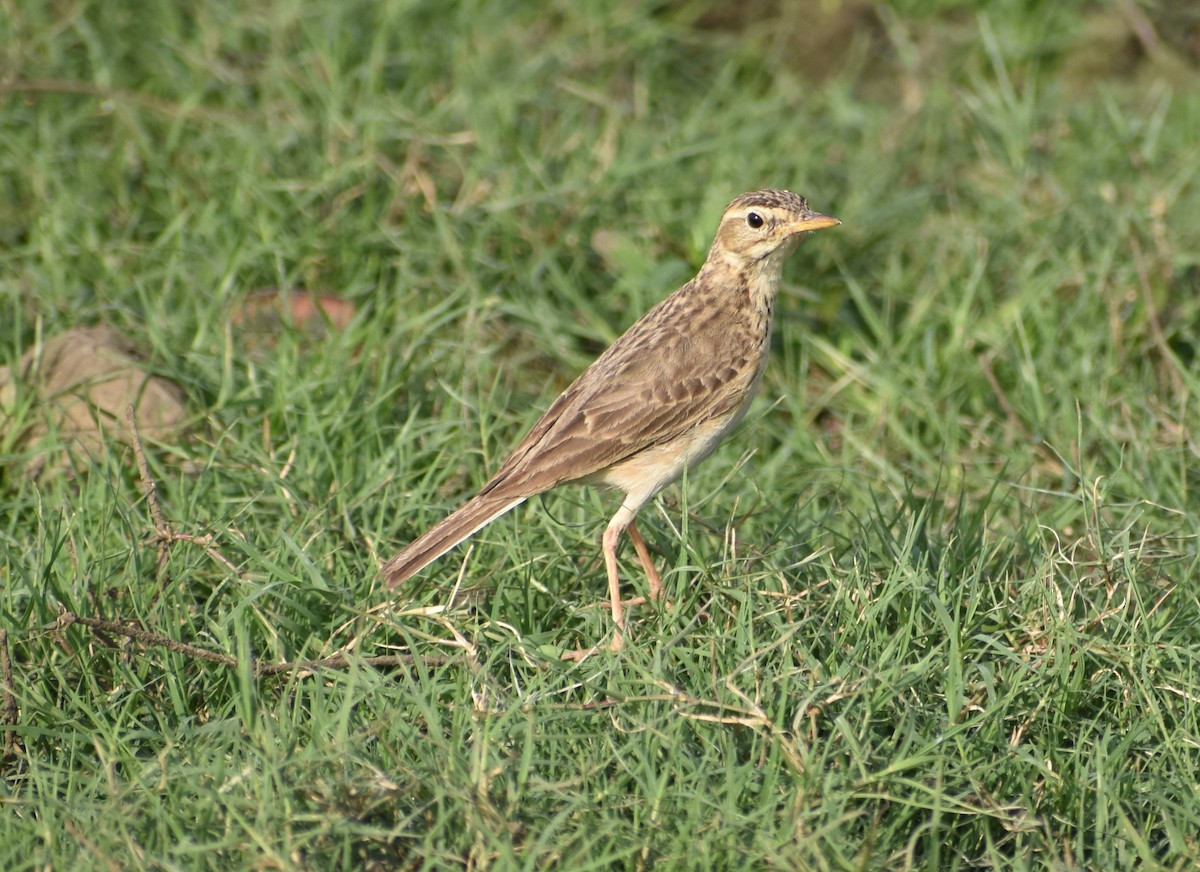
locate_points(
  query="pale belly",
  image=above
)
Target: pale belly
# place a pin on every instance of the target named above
(649, 471)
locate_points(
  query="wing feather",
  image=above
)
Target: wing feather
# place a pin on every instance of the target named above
(648, 388)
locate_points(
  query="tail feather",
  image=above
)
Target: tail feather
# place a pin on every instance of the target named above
(444, 535)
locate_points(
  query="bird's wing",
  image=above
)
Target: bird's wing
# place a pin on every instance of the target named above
(664, 376)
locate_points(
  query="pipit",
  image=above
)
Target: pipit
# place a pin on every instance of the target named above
(658, 401)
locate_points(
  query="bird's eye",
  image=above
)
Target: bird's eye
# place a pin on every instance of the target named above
(754, 220)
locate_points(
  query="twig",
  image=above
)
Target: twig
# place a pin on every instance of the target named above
(1010, 412)
(114, 95)
(1014, 418)
(751, 716)
(162, 530)
(259, 668)
(163, 534)
(1167, 360)
(8, 710)
(205, 542)
(1142, 26)
(90, 847)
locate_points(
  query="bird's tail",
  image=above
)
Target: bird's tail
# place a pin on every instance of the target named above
(451, 530)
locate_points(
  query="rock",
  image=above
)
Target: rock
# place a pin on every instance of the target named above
(70, 394)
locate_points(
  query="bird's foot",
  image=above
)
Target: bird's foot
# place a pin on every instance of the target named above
(580, 654)
(634, 601)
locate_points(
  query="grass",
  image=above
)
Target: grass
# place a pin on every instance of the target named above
(935, 603)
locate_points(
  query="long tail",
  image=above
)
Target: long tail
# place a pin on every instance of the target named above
(454, 528)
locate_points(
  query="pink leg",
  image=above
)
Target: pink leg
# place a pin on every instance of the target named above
(608, 544)
(652, 576)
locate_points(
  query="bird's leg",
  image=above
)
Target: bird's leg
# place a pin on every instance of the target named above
(610, 541)
(622, 522)
(652, 576)
(608, 545)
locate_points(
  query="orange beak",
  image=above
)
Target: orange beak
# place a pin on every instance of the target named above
(814, 221)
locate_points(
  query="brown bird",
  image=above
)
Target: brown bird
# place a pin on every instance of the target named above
(658, 401)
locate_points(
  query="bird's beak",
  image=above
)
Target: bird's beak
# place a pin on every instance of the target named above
(814, 221)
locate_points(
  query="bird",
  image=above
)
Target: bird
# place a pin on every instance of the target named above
(656, 402)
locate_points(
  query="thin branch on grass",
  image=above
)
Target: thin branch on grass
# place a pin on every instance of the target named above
(118, 95)
(259, 668)
(162, 529)
(163, 534)
(1142, 27)
(1010, 412)
(749, 715)
(1167, 360)
(1013, 416)
(8, 709)
(90, 848)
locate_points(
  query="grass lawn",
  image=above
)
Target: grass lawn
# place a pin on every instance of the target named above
(936, 603)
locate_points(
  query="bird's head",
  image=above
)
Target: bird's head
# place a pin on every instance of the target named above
(763, 227)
